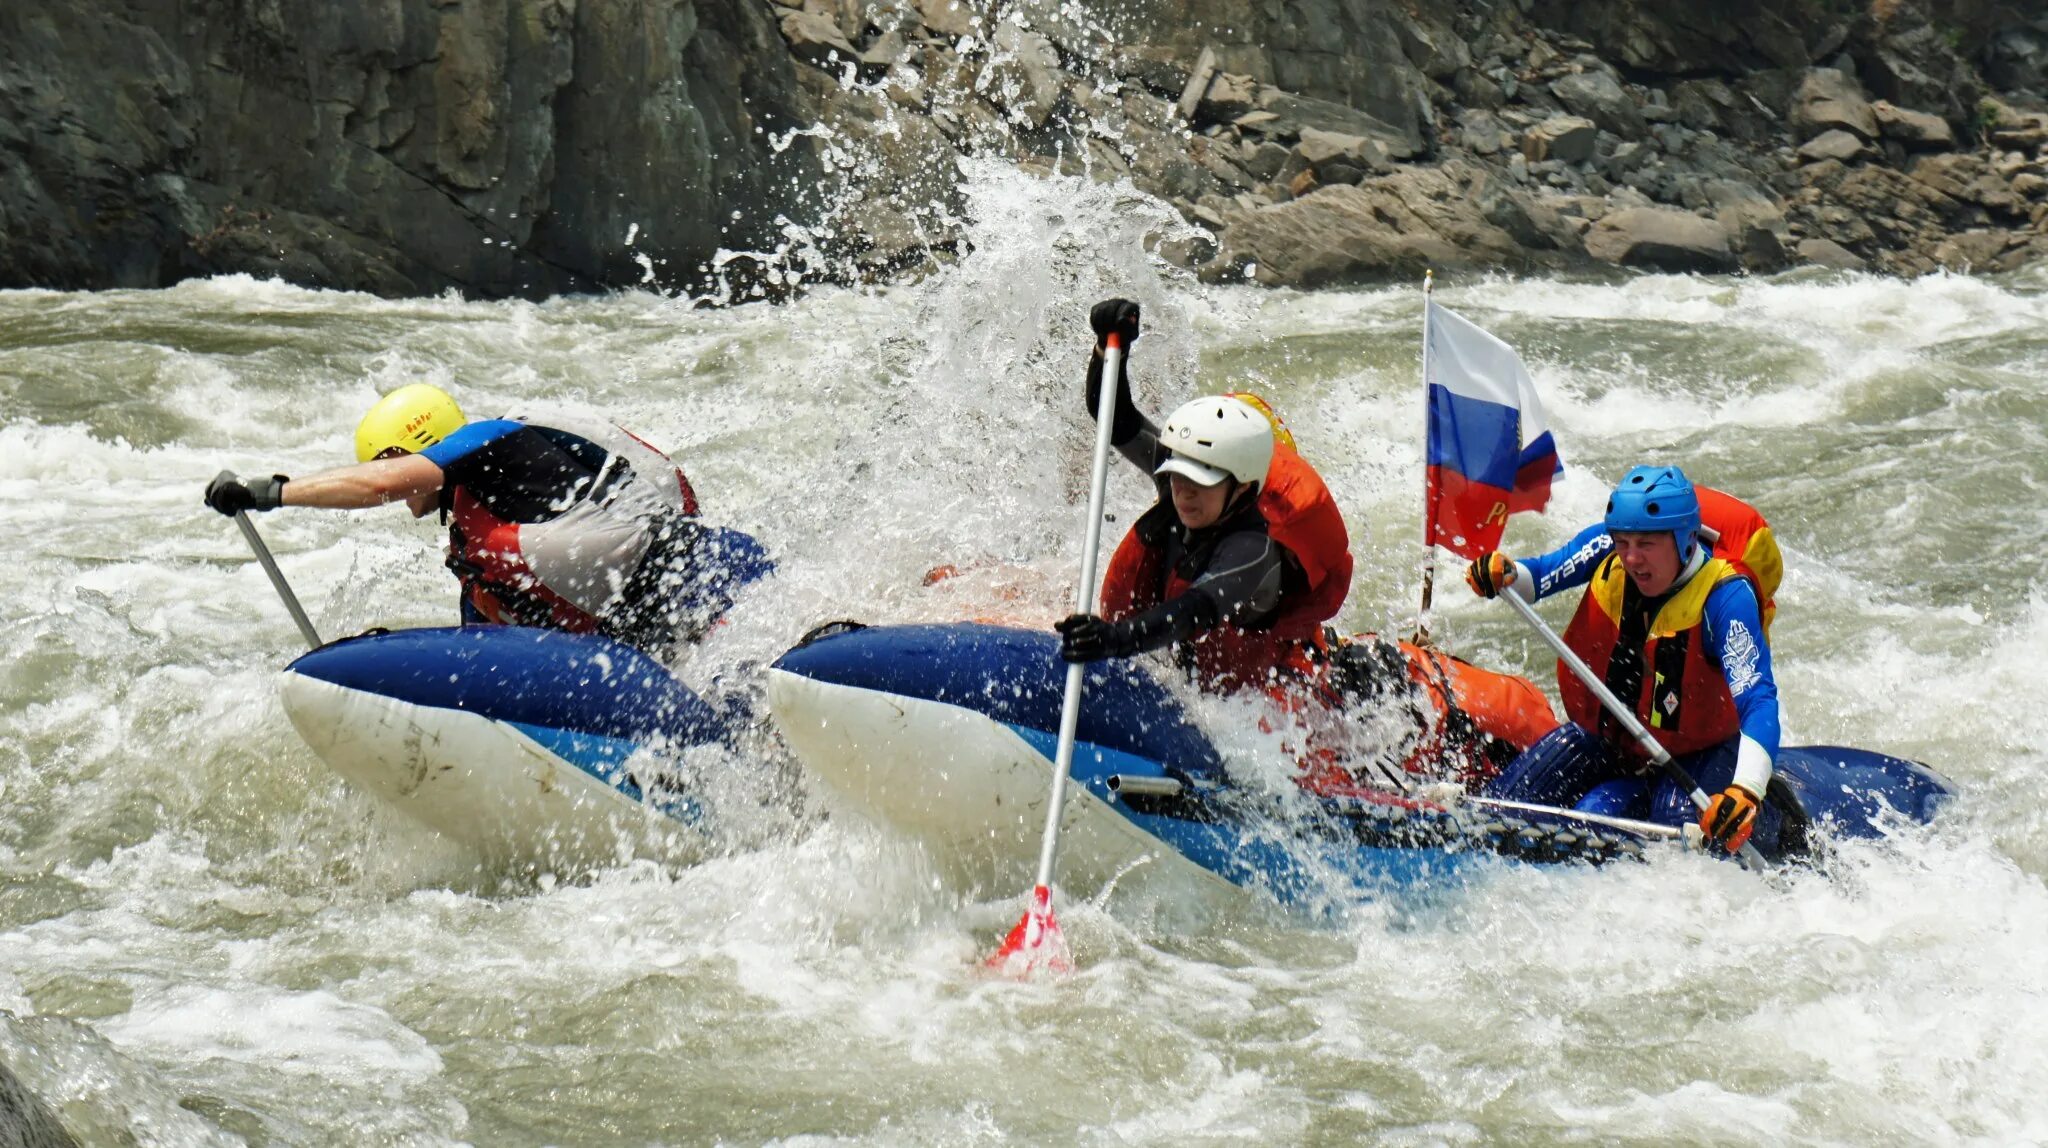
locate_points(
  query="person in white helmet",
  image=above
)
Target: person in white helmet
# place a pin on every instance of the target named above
(1242, 559)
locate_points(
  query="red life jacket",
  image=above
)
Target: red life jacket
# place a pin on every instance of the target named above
(1301, 516)
(1684, 699)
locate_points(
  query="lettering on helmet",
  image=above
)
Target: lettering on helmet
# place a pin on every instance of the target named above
(1593, 551)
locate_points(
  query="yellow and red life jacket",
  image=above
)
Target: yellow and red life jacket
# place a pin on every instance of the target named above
(1746, 542)
(1684, 700)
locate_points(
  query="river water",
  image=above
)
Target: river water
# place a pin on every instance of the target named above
(207, 938)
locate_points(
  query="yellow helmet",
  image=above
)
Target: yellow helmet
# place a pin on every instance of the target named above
(409, 419)
(1281, 434)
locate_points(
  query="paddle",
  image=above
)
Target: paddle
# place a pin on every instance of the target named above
(1751, 859)
(284, 589)
(1036, 942)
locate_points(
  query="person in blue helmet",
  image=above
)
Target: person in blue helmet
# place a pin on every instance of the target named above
(1674, 631)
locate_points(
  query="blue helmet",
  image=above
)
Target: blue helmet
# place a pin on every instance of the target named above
(1652, 498)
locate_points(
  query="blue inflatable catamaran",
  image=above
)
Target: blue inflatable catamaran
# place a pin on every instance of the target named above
(947, 733)
(529, 745)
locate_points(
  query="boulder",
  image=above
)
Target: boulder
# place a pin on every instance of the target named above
(1914, 129)
(1568, 139)
(1660, 237)
(950, 19)
(1966, 178)
(1391, 226)
(1295, 114)
(1833, 144)
(1828, 253)
(1024, 77)
(1227, 97)
(1753, 220)
(1828, 100)
(816, 39)
(1320, 149)
(1596, 96)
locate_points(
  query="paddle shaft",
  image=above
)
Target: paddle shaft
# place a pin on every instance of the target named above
(284, 588)
(1084, 595)
(1658, 757)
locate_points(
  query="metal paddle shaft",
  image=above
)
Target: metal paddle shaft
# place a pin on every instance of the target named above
(1084, 600)
(1036, 941)
(284, 588)
(1658, 757)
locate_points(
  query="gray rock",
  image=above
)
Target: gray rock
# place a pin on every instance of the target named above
(1229, 96)
(1392, 226)
(816, 39)
(1262, 160)
(1024, 77)
(1828, 253)
(1596, 96)
(1318, 148)
(1567, 139)
(1662, 238)
(1299, 113)
(1916, 129)
(1160, 70)
(1833, 144)
(1827, 100)
(951, 19)
(1481, 132)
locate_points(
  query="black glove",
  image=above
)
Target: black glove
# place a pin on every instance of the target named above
(1115, 317)
(231, 495)
(1088, 638)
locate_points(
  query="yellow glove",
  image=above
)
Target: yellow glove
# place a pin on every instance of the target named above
(1490, 573)
(1728, 819)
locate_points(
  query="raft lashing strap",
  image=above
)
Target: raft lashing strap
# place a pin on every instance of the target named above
(1400, 825)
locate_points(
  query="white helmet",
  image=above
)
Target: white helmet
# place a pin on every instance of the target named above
(1216, 438)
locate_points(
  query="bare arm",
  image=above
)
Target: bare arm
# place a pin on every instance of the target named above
(366, 484)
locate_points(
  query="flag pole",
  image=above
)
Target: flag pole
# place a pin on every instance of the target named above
(1428, 506)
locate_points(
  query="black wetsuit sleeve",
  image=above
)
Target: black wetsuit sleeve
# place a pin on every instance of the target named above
(1130, 432)
(1241, 586)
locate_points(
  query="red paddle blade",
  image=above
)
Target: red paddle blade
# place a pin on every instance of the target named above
(1036, 943)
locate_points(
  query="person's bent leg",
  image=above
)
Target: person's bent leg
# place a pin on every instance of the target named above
(1558, 770)
(1714, 769)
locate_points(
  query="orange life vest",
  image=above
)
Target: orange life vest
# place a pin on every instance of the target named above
(1302, 517)
(1684, 699)
(1747, 543)
(1505, 706)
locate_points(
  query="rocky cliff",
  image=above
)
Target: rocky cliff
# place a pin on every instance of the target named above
(537, 146)
(502, 147)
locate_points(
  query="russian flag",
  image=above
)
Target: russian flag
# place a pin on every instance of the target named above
(1490, 451)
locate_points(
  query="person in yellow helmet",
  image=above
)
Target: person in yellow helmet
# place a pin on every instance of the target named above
(566, 524)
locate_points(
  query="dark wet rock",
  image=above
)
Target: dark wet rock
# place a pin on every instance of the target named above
(403, 147)
(1663, 238)
(25, 1121)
